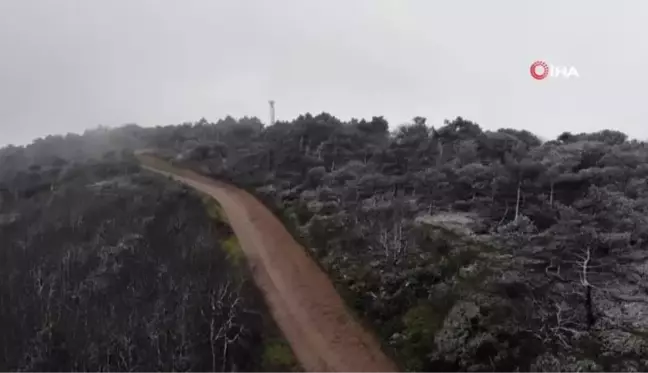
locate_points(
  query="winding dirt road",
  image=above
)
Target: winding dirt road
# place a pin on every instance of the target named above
(301, 297)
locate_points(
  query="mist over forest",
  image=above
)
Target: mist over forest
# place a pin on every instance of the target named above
(462, 248)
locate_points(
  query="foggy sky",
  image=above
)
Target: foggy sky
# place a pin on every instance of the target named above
(68, 65)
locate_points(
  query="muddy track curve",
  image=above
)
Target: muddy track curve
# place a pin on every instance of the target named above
(302, 299)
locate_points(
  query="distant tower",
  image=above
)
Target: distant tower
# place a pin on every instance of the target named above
(272, 112)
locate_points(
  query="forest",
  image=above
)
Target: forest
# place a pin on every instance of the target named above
(104, 267)
(463, 248)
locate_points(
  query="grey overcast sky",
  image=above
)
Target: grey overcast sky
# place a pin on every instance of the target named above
(68, 65)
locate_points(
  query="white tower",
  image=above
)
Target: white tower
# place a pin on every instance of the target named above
(272, 111)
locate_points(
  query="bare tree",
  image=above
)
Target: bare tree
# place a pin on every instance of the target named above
(225, 328)
(393, 239)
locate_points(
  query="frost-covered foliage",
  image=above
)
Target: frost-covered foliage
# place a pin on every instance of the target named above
(465, 249)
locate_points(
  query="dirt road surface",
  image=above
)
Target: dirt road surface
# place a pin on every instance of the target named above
(301, 297)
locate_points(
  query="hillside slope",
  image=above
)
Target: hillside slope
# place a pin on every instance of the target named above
(463, 248)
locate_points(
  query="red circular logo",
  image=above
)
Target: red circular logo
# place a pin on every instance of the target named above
(539, 65)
